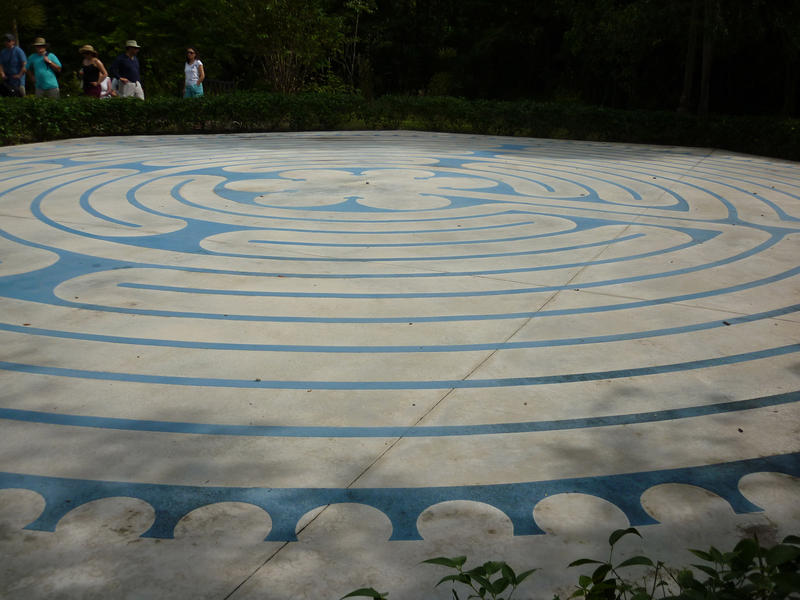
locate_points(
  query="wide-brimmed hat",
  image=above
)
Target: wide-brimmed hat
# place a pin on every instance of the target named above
(87, 49)
(39, 42)
(132, 44)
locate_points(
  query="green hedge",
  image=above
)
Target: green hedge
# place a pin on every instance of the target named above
(35, 120)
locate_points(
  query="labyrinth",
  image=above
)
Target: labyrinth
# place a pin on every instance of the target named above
(393, 319)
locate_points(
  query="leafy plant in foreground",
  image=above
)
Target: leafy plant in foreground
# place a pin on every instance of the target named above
(749, 572)
(606, 582)
(480, 579)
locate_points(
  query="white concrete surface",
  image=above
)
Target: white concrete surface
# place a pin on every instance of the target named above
(290, 365)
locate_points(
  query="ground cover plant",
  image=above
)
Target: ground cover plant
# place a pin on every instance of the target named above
(36, 120)
(749, 571)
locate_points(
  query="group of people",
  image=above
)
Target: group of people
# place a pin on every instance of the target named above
(123, 79)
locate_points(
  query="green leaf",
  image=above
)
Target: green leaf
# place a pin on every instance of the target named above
(700, 554)
(786, 583)
(600, 573)
(578, 593)
(524, 575)
(791, 539)
(366, 593)
(484, 583)
(685, 578)
(744, 553)
(492, 567)
(499, 585)
(620, 533)
(711, 571)
(584, 561)
(453, 563)
(480, 570)
(636, 560)
(781, 554)
(459, 577)
(584, 581)
(509, 574)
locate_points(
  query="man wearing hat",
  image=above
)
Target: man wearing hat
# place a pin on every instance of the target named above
(43, 67)
(12, 65)
(125, 69)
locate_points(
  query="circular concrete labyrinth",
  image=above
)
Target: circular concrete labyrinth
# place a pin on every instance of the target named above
(393, 319)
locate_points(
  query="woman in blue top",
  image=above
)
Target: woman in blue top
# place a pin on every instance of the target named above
(194, 75)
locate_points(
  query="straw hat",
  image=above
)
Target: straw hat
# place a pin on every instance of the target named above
(39, 42)
(87, 49)
(132, 44)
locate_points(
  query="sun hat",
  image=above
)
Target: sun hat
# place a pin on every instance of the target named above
(87, 49)
(132, 44)
(39, 42)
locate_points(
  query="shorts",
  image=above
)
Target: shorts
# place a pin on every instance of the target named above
(51, 93)
(193, 91)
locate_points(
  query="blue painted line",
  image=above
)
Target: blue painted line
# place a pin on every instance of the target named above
(37, 287)
(213, 382)
(783, 215)
(411, 259)
(473, 242)
(398, 231)
(474, 294)
(437, 274)
(403, 506)
(486, 346)
(49, 418)
(733, 213)
(87, 206)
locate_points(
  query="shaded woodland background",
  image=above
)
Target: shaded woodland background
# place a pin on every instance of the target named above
(698, 56)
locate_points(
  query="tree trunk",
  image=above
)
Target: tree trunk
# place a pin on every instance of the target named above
(685, 105)
(790, 86)
(708, 57)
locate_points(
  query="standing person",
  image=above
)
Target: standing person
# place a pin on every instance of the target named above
(125, 68)
(106, 91)
(194, 74)
(13, 62)
(92, 71)
(44, 67)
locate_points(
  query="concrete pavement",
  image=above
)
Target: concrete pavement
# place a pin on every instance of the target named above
(291, 365)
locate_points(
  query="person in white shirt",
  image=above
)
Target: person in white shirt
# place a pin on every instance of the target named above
(194, 75)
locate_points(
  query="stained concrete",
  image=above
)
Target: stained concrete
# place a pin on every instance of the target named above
(291, 365)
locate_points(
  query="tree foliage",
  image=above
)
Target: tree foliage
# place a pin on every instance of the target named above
(729, 56)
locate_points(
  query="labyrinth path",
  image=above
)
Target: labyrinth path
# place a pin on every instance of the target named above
(394, 320)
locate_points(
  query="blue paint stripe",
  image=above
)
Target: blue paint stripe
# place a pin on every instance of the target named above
(413, 318)
(605, 242)
(487, 346)
(462, 257)
(87, 206)
(403, 506)
(474, 294)
(213, 382)
(472, 242)
(49, 418)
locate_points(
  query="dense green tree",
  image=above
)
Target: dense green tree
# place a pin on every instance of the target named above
(739, 56)
(25, 16)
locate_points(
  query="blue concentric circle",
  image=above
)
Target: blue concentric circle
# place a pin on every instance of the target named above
(573, 316)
